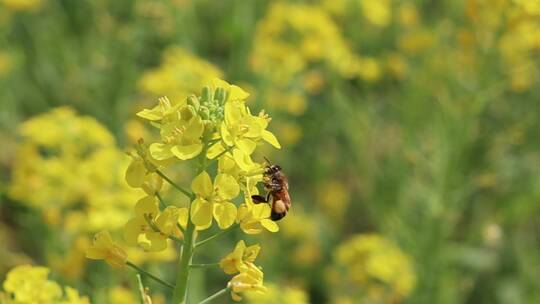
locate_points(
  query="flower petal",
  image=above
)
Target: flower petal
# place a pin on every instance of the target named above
(136, 173)
(246, 145)
(270, 225)
(160, 151)
(225, 214)
(226, 186)
(187, 152)
(270, 138)
(201, 212)
(202, 185)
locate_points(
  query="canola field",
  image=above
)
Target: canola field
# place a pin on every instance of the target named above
(269, 152)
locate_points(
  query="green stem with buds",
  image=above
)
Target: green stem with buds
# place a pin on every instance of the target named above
(146, 273)
(215, 296)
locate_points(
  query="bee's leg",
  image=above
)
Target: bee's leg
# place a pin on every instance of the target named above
(257, 199)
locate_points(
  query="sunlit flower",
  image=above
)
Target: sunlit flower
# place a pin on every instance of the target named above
(104, 248)
(151, 228)
(237, 260)
(254, 218)
(214, 200)
(250, 280)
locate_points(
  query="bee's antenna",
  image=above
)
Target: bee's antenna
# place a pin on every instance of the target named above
(269, 163)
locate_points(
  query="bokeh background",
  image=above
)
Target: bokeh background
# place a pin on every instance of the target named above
(410, 134)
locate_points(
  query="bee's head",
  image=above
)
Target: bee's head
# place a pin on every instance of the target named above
(272, 169)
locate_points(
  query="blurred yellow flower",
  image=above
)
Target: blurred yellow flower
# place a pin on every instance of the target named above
(376, 265)
(377, 12)
(237, 260)
(29, 285)
(181, 73)
(278, 294)
(104, 248)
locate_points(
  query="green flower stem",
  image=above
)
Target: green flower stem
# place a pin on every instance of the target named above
(215, 296)
(182, 276)
(180, 291)
(146, 273)
(203, 242)
(142, 291)
(161, 201)
(204, 265)
(179, 188)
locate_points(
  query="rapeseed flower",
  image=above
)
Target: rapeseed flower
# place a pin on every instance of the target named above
(238, 259)
(214, 200)
(27, 284)
(104, 248)
(150, 228)
(250, 280)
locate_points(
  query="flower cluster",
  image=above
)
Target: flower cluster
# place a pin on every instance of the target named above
(248, 276)
(69, 169)
(29, 285)
(218, 132)
(180, 74)
(377, 266)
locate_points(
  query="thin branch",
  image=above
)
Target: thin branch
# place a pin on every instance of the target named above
(146, 273)
(204, 265)
(203, 242)
(215, 296)
(179, 188)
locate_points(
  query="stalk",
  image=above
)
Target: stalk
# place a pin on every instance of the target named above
(180, 290)
(182, 276)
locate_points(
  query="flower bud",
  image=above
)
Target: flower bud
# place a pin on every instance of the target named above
(187, 112)
(193, 101)
(204, 112)
(220, 95)
(206, 95)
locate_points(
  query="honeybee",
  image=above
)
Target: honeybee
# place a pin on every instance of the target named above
(275, 182)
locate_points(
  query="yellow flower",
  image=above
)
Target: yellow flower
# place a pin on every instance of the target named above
(250, 280)
(254, 217)
(180, 130)
(214, 200)
(29, 285)
(151, 228)
(373, 261)
(180, 74)
(377, 12)
(104, 248)
(237, 260)
(243, 130)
